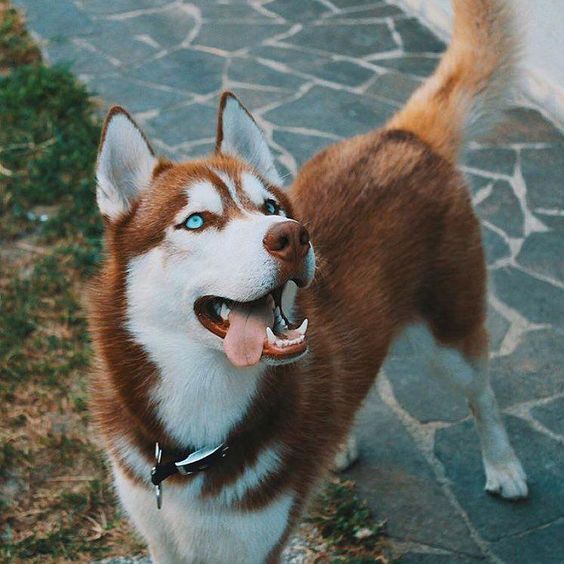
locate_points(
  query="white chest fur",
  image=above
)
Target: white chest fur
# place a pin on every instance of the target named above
(198, 406)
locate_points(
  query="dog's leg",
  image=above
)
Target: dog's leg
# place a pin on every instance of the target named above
(347, 454)
(504, 474)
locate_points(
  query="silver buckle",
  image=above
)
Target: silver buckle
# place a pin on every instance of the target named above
(198, 456)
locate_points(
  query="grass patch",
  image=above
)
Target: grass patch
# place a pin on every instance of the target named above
(56, 501)
(346, 524)
(48, 140)
(16, 46)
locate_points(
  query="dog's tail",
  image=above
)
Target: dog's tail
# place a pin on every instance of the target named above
(472, 82)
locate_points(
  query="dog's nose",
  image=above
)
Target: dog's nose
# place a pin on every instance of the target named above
(287, 241)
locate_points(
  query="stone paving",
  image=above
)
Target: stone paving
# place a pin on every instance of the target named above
(316, 71)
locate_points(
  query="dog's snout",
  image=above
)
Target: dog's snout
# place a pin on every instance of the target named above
(287, 241)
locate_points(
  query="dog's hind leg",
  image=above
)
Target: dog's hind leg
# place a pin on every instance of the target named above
(464, 368)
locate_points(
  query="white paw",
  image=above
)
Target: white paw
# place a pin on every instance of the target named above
(507, 479)
(347, 455)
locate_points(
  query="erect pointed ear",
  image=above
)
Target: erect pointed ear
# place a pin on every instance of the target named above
(238, 134)
(125, 164)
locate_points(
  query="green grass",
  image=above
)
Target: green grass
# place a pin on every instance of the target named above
(16, 47)
(48, 140)
(48, 144)
(346, 524)
(50, 233)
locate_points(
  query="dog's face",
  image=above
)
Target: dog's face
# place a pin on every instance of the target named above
(208, 246)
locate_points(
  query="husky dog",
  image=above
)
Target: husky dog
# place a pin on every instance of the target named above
(218, 338)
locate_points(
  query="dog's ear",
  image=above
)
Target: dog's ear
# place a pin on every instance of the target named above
(238, 134)
(125, 164)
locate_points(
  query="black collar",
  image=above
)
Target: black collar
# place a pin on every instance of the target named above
(196, 461)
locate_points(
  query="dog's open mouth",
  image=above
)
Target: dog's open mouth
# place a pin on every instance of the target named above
(252, 330)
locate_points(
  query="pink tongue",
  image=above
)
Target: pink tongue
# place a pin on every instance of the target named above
(247, 331)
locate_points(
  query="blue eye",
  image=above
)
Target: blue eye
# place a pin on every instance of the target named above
(195, 221)
(271, 207)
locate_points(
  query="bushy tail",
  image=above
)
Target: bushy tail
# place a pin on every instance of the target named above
(472, 82)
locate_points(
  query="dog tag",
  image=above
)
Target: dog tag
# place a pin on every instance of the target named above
(158, 487)
(159, 495)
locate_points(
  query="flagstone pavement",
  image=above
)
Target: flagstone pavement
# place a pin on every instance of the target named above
(313, 72)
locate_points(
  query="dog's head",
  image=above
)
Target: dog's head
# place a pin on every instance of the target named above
(208, 246)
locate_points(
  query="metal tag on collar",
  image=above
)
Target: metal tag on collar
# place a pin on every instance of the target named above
(199, 460)
(158, 487)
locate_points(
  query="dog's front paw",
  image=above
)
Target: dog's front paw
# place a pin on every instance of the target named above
(347, 455)
(507, 479)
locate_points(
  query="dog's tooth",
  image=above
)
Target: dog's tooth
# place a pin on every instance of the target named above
(280, 318)
(270, 336)
(303, 327)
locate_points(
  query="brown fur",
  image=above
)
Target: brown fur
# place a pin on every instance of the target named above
(472, 82)
(398, 242)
